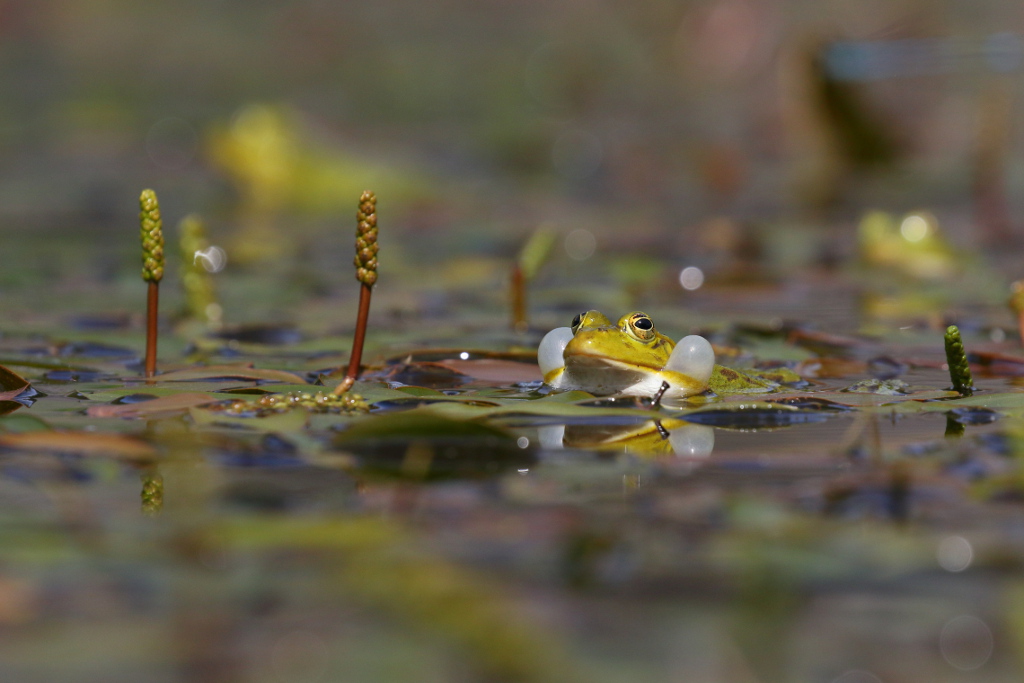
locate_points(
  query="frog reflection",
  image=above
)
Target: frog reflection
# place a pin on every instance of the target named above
(653, 438)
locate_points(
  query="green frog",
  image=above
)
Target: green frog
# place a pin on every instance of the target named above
(629, 357)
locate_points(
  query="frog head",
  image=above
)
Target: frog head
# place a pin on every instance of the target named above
(629, 357)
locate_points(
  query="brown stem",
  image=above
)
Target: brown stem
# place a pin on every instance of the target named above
(518, 299)
(352, 374)
(152, 303)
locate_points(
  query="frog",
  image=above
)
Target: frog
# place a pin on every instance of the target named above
(630, 358)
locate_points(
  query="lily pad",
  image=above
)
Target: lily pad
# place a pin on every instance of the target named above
(236, 372)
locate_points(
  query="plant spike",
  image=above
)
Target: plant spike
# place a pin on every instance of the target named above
(200, 295)
(151, 228)
(366, 273)
(956, 359)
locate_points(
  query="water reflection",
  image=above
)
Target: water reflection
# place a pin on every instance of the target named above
(651, 438)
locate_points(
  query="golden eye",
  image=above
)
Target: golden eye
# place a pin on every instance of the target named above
(641, 326)
(576, 322)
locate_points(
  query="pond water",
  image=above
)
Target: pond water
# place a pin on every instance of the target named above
(472, 525)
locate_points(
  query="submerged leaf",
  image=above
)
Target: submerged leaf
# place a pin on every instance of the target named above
(85, 443)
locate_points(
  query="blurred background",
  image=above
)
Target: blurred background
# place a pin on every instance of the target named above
(728, 166)
(651, 136)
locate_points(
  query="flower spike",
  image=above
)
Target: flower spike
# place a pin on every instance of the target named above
(151, 229)
(366, 274)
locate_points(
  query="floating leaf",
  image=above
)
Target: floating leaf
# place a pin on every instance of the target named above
(11, 384)
(495, 370)
(431, 374)
(242, 372)
(994, 401)
(867, 400)
(727, 381)
(460, 410)
(164, 406)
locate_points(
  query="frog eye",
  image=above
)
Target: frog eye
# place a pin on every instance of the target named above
(576, 322)
(641, 326)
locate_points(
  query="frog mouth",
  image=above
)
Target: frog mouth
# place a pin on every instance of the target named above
(594, 360)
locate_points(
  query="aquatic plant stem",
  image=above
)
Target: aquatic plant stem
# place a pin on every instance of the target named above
(151, 231)
(1017, 306)
(352, 374)
(956, 359)
(366, 274)
(518, 296)
(152, 306)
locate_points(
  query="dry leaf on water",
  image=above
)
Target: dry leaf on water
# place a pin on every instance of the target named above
(11, 384)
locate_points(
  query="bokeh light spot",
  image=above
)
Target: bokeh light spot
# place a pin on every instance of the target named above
(955, 553)
(691, 277)
(914, 228)
(580, 244)
(966, 642)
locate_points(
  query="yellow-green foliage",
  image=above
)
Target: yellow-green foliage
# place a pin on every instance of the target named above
(725, 381)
